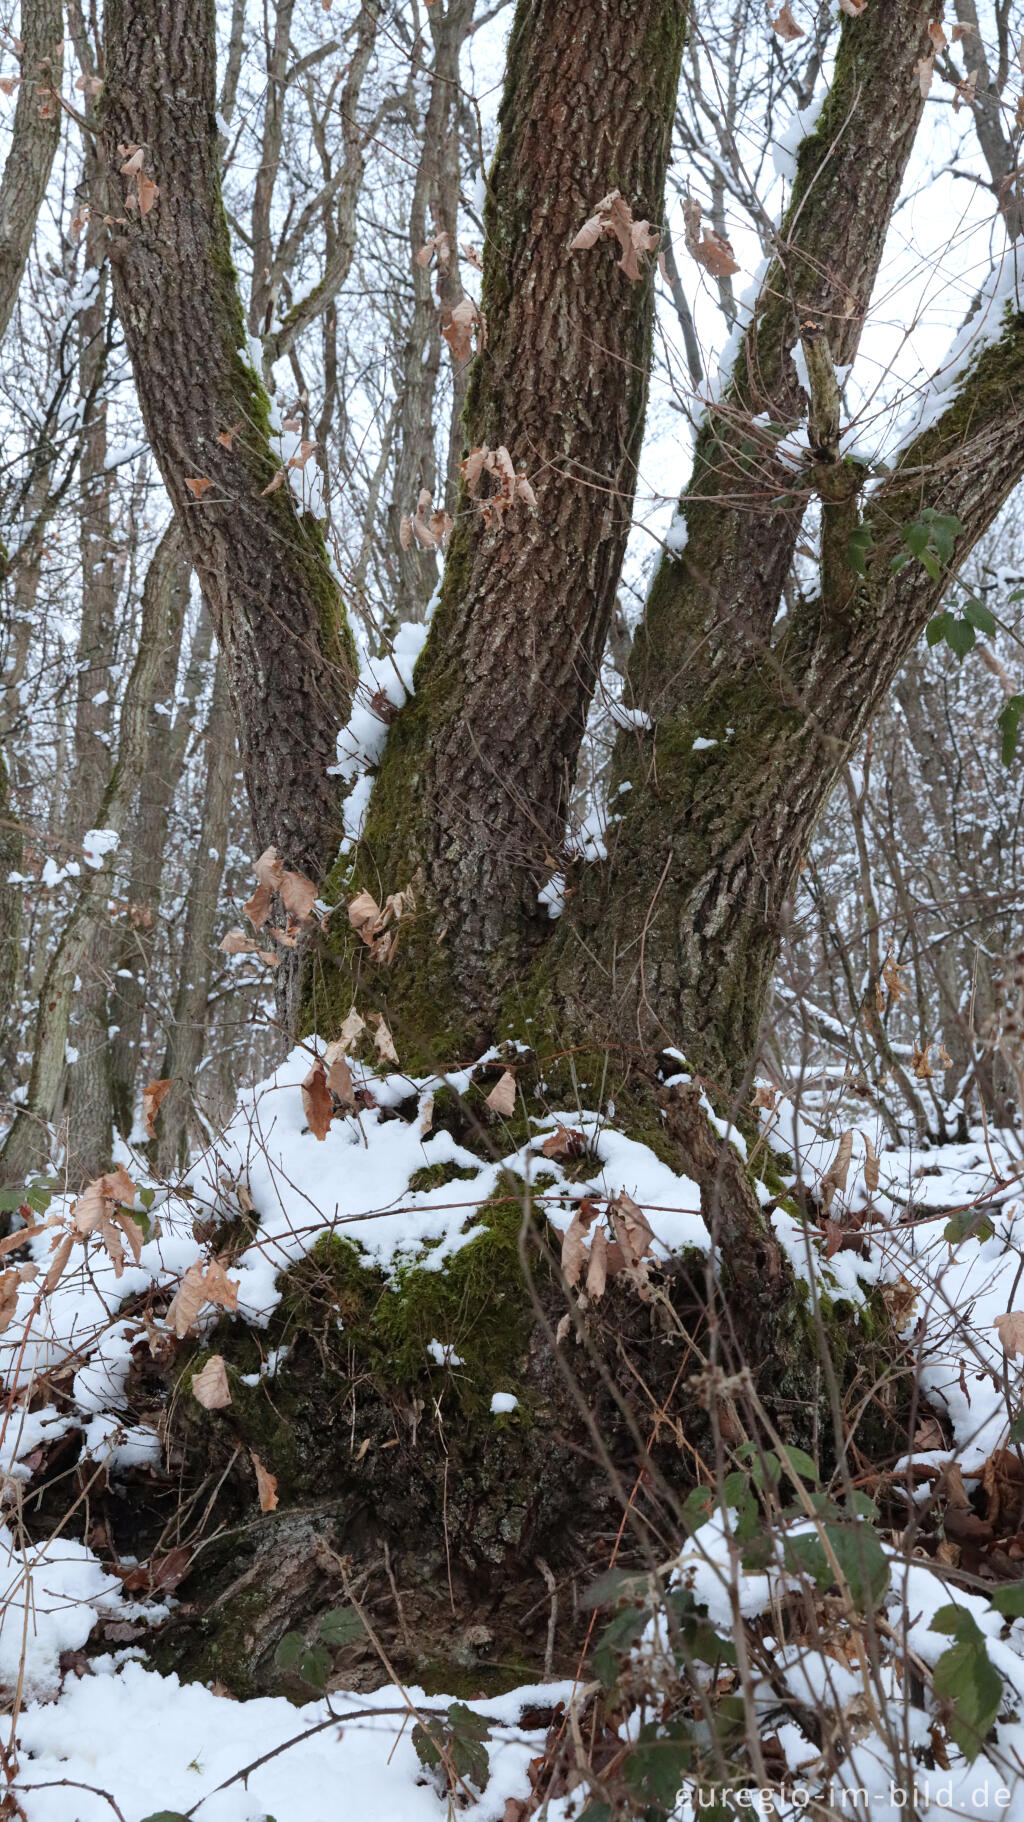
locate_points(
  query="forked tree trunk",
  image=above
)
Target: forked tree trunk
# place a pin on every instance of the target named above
(262, 564)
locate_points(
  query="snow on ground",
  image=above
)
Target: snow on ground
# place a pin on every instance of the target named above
(154, 1745)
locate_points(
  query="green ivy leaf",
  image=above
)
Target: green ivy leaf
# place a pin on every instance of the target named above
(657, 1767)
(936, 628)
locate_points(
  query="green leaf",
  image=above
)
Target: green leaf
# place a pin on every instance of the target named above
(656, 1768)
(915, 537)
(1017, 1428)
(861, 544)
(147, 1197)
(980, 616)
(800, 1463)
(1010, 1601)
(289, 1651)
(469, 1731)
(862, 1560)
(341, 1626)
(165, 1815)
(314, 1666)
(930, 562)
(615, 1642)
(426, 1752)
(1008, 723)
(936, 628)
(967, 1224)
(310, 1662)
(967, 1679)
(960, 636)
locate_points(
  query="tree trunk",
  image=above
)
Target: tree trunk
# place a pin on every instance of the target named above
(169, 571)
(476, 779)
(28, 1143)
(262, 565)
(189, 1022)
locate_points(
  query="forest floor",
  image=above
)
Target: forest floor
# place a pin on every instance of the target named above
(921, 1674)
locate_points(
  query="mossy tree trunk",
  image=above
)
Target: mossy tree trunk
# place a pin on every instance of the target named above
(262, 565)
(741, 718)
(476, 782)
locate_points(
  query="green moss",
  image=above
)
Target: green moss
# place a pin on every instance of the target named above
(435, 1176)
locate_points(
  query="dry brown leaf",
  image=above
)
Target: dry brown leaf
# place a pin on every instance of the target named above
(201, 1284)
(715, 254)
(210, 1387)
(133, 164)
(524, 492)
(153, 1096)
(316, 1101)
(272, 487)
(574, 1251)
(352, 1030)
(266, 1484)
(131, 1230)
(1010, 1329)
(614, 216)
(9, 84)
(838, 1171)
(920, 1064)
(853, 8)
(197, 485)
(564, 1143)
(458, 326)
(57, 1264)
(147, 193)
(924, 70)
(257, 908)
(269, 870)
(441, 525)
(9, 1283)
(633, 1231)
(339, 1075)
(597, 1270)
(870, 1166)
(298, 895)
(226, 438)
(237, 943)
(364, 915)
(384, 1041)
(405, 532)
(439, 244)
(937, 34)
(786, 26)
(502, 1098)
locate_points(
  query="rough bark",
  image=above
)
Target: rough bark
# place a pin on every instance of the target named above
(169, 571)
(35, 136)
(475, 782)
(262, 566)
(189, 1019)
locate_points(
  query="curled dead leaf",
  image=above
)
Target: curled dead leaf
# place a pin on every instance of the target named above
(1010, 1329)
(786, 26)
(153, 1096)
(502, 1098)
(316, 1101)
(266, 1484)
(210, 1386)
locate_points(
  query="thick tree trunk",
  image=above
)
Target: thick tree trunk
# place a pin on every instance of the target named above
(35, 137)
(262, 565)
(475, 783)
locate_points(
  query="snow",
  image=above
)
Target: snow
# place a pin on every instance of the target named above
(97, 843)
(504, 1402)
(154, 1743)
(384, 680)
